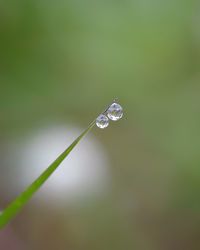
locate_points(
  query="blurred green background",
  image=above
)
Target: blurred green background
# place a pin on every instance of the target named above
(62, 62)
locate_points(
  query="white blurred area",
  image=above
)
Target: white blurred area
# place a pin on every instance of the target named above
(84, 173)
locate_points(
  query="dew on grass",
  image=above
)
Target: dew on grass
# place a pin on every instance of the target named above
(102, 121)
(115, 112)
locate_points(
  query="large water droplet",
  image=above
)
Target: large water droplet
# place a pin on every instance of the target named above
(102, 121)
(115, 112)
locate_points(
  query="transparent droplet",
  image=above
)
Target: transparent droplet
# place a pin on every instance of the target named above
(102, 121)
(115, 112)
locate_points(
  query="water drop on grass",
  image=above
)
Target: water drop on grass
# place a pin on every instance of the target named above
(115, 112)
(102, 121)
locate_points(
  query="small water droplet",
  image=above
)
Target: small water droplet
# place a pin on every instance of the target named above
(115, 112)
(102, 121)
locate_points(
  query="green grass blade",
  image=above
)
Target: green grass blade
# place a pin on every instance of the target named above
(15, 206)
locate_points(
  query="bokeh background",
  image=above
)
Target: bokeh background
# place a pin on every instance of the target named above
(134, 185)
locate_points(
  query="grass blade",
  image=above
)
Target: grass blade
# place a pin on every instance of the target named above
(15, 206)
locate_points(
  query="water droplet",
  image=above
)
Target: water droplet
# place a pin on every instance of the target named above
(115, 112)
(102, 121)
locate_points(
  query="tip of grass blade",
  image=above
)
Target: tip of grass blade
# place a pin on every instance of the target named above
(15, 206)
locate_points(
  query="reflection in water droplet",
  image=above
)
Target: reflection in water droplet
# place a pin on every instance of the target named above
(115, 112)
(102, 121)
